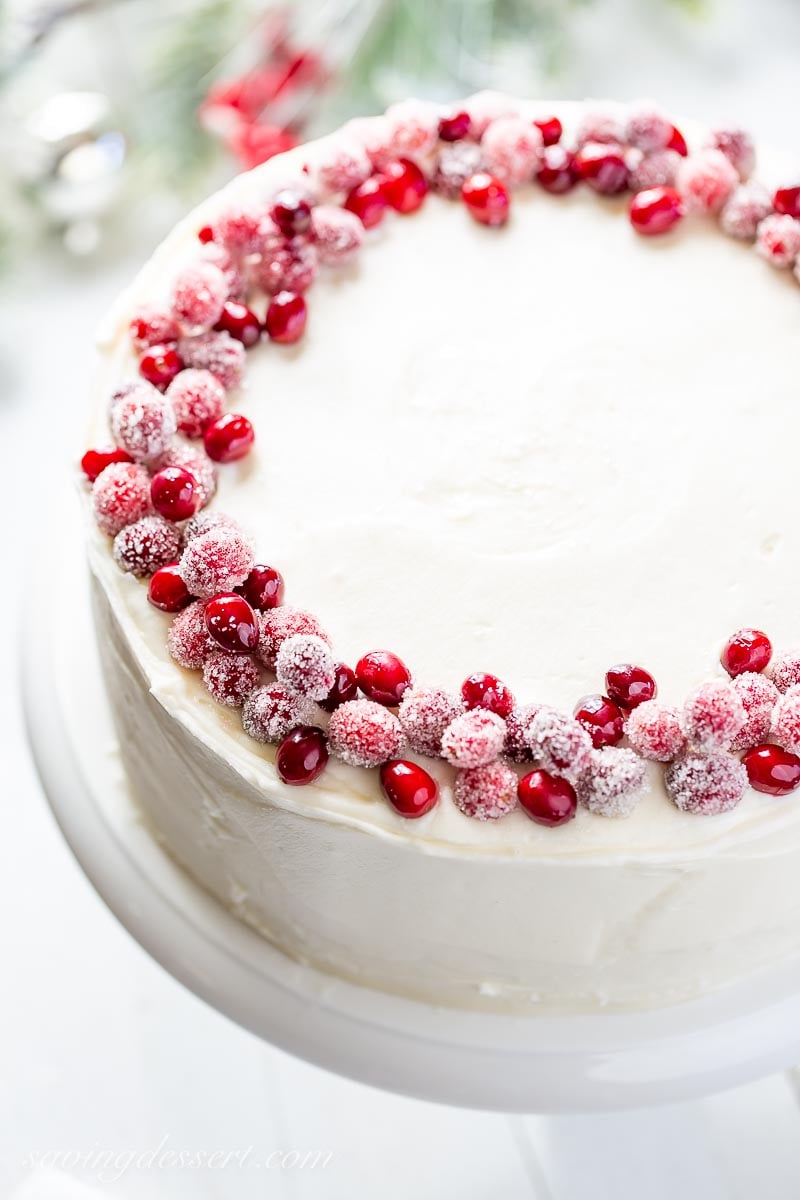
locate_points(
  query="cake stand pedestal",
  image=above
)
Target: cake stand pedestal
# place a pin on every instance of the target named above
(489, 1061)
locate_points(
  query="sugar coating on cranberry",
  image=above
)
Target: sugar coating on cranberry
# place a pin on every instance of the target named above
(786, 720)
(216, 561)
(474, 738)
(613, 782)
(152, 326)
(188, 639)
(304, 662)
(518, 741)
(179, 454)
(365, 734)
(424, 714)
(712, 716)
(198, 293)
(707, 784)
(453, 166)
(231, 267)
(559, 743)
(278, 624)
(738, 147)
(273, 710)
(745, 209)
(339, 164)
(337, 234)
(484, 107)
(706, 180)
(483, 690)
(511, 148)
(240, 228)
(654, 731)
(291, 267)
(647, 128)
(204, 521)
(120, 495)
(230, 678)
(224, 356)
(784, 670)
(778, 239)
(413, 127)
(146, 545)
(655, 170)
(198, 398)
(486, 793)
(759, 697)
(601, 123)
(143, 423)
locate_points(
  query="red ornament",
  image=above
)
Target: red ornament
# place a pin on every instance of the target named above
(677, 142)
(173, 492)
(167, 590)
(404, 185)
(302, 756)
(383, 677)
(368, 202)
(345, 687)
(232, 623)
(557, 173)
(547, 799)
(655, 210)
(746, 650)
(486, 198)
(229, 438)
(772, 770)
(602, 720)
(263, 588)
(603, 167)
(94, 462)
(160, 365)
(787, 200)
(482, 690)
(286, 317)
(291, 212)
(629, 685)
(454, 127)
(240, 322)
(410, 790)
(550, 128)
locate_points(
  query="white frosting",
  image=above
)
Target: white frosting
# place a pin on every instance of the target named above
(536, 451)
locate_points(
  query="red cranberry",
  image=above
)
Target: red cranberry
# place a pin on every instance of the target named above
(656, 210)
(228, 439)
(550, 129)
(160, 365)
(205, 234)
(174, 493)
(302, 756)
(232, 623)
(240, 322)
(344, 688)
(167, 590)
(455, 127)
(383, 677)
(263, 588)
(603, 167)
(547, 799)
(602, 720)
(772, 769)
(557, 172)
(96, 461)
(746, 650)
(482, 690)
(291, 212)
(486, 198)
(677, 142)
(404, 185)
(410, 790)
(629, 686)
(787, 200)
(286, 317)
(368, 202)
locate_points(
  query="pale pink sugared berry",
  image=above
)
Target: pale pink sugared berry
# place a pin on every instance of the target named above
(654, 731)
(143, 423)
(613, 783)
(559, 743)
(778, 239)
(745, 209)
(198, 293)
(601, 124)
(487, 792)
(289, 268)
(230, 678)
(647, 128)
(240, 228)
(474, 738)
(224, 356)
(706, 180)
(179, 454)
(518, 725)
(152, 326)
(737, 146)
(146, 545)
(188, 640)
(216, 561)
(453, 167)
(655, 170)
(784, 671)
(786, 720)
(511, 148)
(707, 784)
(272, 711)
(759, 697)
(485, 107)
(424, 714)
(365, 734)
(337, 234)
(413, 128)
(374, 134)
(120, 495)
(712, 716)
(214, 253)
(204, 521)
(198, 398)
(339, 164)
(278, 624)
(304, 662)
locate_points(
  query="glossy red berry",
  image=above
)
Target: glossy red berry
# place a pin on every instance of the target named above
(291, 212)
(94, 462)
(344, 689)
(174, 493)
(410, 790)
(557, 171)
(232, 623)
(603, 168)
(160, 365)
(240, 322)
(787, 200)
(383, 677)
(368, 202)
(629, 686)
(482, 690)
(404, 185)
(205, 234)
(228, 439)
(602, 719)
(454, 127)
(547, 799)
(302, 756)
(677, 142)
(746, 650)
(550, 129)
(772, 769)
(486, 198)
(264, 588)
(167, 590)
(656, 210)
(286, 317)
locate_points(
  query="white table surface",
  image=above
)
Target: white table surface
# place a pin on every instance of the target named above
(101, 1053)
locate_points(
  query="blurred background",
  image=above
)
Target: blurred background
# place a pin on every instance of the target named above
(115, 115)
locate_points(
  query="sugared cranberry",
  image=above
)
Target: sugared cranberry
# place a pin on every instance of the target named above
(383, 677)
(344, 688)
(153, 326)
(368, 202)
(746, 650)
(94, 462)
(454, 127)
(365, 734)
(263, 588)
(486, 198)
(198, 293)
(558, 172)
(473, 739)
(603, 167)
(550, 129)
(655, 210)
(232, 623)
(482, 690)
(629, 685)
(205, 235)
(240, 322)
(602, 719)
(410, 790)
(286, 317)
(167, 590)
(772, 769)
(291, 212)
(228, 439)
(677, 142)
(404, 185)
(547, 799)
(160, 365)
(174, 493)
(787, 200)
(302, 756)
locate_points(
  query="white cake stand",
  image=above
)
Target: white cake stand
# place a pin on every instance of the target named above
(537, 1064)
